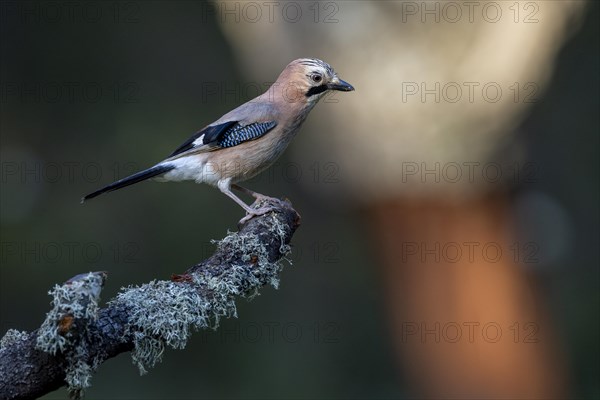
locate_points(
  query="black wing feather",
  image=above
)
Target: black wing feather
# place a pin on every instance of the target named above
(227, 134)
(210, 132)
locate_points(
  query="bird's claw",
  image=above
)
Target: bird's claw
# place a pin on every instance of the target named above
(256, 213)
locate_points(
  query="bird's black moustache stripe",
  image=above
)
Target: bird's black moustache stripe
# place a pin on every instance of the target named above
(316, 90)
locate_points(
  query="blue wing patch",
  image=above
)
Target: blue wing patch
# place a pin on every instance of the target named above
(224, 135)
(239, 134)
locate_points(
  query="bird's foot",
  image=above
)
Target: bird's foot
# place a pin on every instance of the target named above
(255, 213)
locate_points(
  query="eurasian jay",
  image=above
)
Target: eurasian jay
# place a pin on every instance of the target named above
(248, 139)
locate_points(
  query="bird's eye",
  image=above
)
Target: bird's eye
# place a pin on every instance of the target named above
(316, 78)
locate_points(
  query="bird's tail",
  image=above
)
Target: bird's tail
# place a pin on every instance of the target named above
(130, 180)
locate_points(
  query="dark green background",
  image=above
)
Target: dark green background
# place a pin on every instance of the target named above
(151, 63)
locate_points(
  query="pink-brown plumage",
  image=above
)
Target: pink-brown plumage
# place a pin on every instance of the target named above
(205, 158)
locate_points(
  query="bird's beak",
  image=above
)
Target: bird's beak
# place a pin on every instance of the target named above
(340, 85)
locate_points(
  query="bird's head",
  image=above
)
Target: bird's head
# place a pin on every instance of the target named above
(306, 80)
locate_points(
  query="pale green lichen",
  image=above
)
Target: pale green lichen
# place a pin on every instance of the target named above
(12, 336)
(160, 313)
(65, 329)
(78, 373)
(163, 313)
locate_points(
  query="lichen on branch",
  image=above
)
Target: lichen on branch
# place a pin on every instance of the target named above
(78, 336)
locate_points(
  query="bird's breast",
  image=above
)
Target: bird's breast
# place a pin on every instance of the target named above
(238, 163)
(248, 159)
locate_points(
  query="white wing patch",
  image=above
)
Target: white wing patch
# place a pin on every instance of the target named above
(199, 141)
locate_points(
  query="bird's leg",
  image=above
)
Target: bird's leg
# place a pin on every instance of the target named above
(224, 187)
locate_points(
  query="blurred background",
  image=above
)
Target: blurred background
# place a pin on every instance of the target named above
(449, 238)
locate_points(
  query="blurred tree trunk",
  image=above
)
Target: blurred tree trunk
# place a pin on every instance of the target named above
(468, 324)
(393, 140)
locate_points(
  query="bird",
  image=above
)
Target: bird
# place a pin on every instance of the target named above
(248, 139)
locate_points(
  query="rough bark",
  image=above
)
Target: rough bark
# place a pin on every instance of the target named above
(78, 336)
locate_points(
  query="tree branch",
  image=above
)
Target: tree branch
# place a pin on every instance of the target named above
(78, 336)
